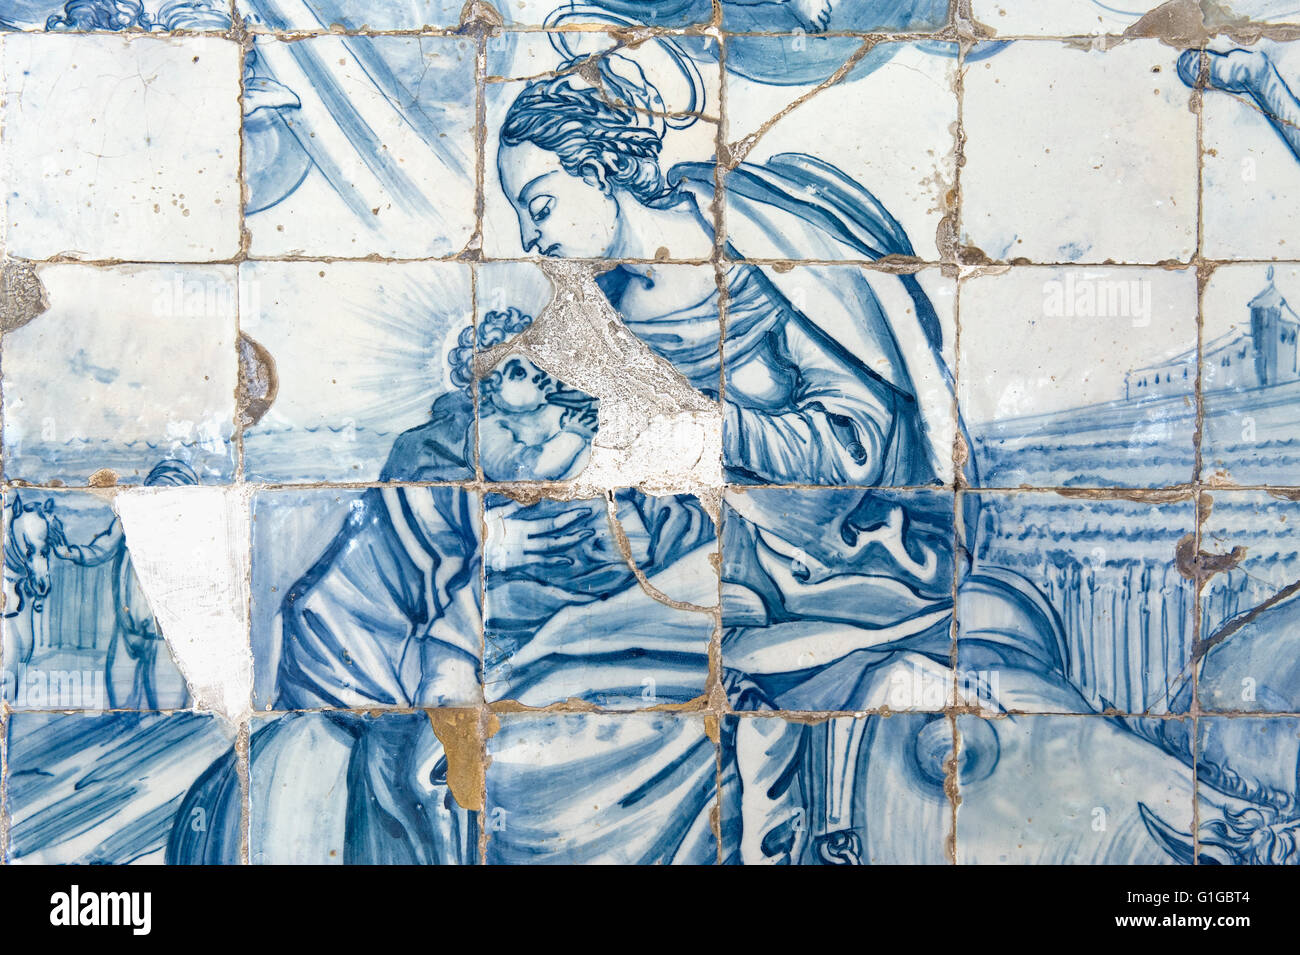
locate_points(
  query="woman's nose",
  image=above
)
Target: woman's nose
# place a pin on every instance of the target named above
(530, 237)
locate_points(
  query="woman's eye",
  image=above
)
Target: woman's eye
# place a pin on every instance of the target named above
(540, 207)
(516, 372)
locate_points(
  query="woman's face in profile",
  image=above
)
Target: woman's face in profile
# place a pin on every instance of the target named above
(560, 215)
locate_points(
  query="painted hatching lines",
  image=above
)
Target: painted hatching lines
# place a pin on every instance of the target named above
(659, 390)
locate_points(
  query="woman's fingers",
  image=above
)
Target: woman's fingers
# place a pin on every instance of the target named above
(553, 525)
(556, 544)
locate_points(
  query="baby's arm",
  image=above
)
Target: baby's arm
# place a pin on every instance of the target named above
(504, 457)
(558, 455)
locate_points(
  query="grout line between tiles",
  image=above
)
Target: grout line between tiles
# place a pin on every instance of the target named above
(960, 30)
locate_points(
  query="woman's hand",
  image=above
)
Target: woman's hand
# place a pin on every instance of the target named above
(539, 542)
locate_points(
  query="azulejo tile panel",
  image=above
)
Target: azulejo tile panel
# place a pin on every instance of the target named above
(792, 432)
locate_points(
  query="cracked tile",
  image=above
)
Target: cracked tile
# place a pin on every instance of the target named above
(363, 359)
(1064, 17)
(345, 617)
(151, 376)
(837, 600)
(1078, 155)
(1247, 666)
(357, 146)
(121, 148)
(1076, 605)
(608, 604)
(79, 632)
(900, 164)
(569, 788)
(1100, 388)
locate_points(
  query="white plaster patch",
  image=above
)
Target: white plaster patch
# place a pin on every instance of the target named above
(676, 454)
(190, 549)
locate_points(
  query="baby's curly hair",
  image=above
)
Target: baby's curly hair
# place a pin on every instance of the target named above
(120, 15)
(495, 328)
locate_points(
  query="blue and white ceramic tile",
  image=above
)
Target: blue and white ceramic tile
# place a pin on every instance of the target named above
(366, 599)
(534, 205)
(362, 356)
(675, 311)
(1100, 388)
(1250, 664)
(1076, 604)
(1059, 17)
(358, 146)
(116, 788)
(834, 399)
(153, 16)
(666, 14)
(1062, 790)
(349, 789)
(1257, 11)
(833, 16)
(1251, 147)
(352, 16)
(837, 600)
(121, 148)
(1254, 763)
(898, 467)
(130, 366)
(78, 629)
(841, 792)
(570, 617)
(1033, 191)
(894, 201)
(635, 788)
(1250, 375)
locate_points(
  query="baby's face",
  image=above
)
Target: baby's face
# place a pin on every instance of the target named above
(523, 386)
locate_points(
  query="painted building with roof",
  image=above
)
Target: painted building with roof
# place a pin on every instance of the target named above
(1265, 355)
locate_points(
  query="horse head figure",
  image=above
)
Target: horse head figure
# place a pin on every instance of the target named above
(27, 551)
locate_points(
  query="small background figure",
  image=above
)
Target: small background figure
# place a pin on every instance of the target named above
(69, 605)
(137, 630)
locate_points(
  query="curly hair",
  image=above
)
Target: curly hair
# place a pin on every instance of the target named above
(613, 125)
(493, 329)
(100, 15)
(120, 15)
